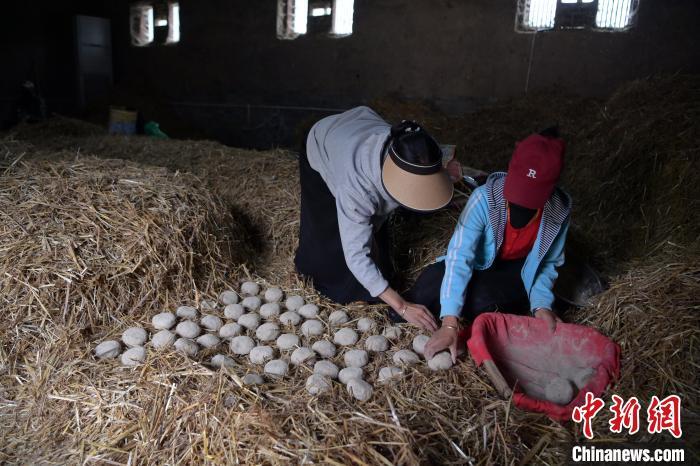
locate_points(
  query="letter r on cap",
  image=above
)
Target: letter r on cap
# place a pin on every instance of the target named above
(532, 173)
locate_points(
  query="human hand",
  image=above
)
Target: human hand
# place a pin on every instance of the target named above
(419, 315)
(548, 316)
(445, 338)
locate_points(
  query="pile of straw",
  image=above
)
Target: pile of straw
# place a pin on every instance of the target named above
(57, 405)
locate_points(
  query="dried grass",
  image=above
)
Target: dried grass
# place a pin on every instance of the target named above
(58, 405)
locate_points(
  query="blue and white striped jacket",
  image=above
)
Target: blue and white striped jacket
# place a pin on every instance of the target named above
(479, 235)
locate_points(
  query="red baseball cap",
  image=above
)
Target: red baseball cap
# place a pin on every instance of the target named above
(534, 170)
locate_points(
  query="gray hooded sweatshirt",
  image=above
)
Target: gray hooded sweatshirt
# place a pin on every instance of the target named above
(345, 150)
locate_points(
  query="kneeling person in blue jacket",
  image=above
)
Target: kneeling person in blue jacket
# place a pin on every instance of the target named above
(507, 246)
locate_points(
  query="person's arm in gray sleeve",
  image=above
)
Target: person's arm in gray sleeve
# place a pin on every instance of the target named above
(355, 224)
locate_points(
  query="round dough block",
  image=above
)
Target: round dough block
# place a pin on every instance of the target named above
(108, 349)
(559, 391)
(277, 367)
(419, 343)
(186, 312)
(261, 354)
(366, 324)
(317, 384)
(377, 343)
(208, 340)
(392, 333)
(221, 360)
(269, 310)
(308, 311)
(242, 344)
(233, 311)
(347, 374)
(294, 302)
(268, 331)
(302, 355)
(187, 346)
(338, 318)
(441, 361)
(134, 336)
(250, 288)
(163, 321)
(388, 372)
(273, 295)
(134, 356)
(290, 318)
(208, 305)
(252, 303)
(188, 329)
(230, 330)
(582, 377)
(228, 297)
(163, 339)
(253, 379)
(211, 322)
(251, 321)
(356, 358)
(326, 368)
(405, 357)
(345, 337)
(312, 328)
(287, 341)
(359, 389)
(324, 348)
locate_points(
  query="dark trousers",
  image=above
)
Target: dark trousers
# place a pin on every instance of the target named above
(319, 256)
(498, 288)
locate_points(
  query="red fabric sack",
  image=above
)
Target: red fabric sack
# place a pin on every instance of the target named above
(528, 355)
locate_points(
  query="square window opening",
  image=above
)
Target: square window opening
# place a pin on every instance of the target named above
(141, 22)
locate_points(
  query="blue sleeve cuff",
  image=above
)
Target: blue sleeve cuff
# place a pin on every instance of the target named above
(450, 309)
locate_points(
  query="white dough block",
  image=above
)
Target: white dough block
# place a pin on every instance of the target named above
(388, 372)
(253, 379)
(211, 322)
(163, 339)
(406, 357)
(230, 330)
(242, 345)
(559, 391)
(326, 369)
(287, 341)
(359, 389)
(366, 324)
(251, 303)
(267, 332)
(290, 318)
(338, 318)
(345, 337)
(273, 295)
(228, 297)
(208, 340)
(582, 377)
(221, 360)
(134, 356)
(377, 343)
(261, 354)
(186, 312)
(324, 348)
(163, 321)
(441, 361)
(356, 358)
(277, 367)
(108, 349)
(347, 374)
(302, 355)
(134, 336)
(392, 333)
(312, 328)
(233, 311)
(308, 311)
(187, 346)
(188, 329)
(317, 384)
(419, 343)
(269, 310)
(251, 321)
(250, 288)
(294, 302)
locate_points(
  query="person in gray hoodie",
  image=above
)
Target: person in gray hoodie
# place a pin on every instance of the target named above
(356, 169)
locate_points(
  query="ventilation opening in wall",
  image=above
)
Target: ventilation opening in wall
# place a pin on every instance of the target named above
(142, 25)
(607, 15)
(299, 17)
